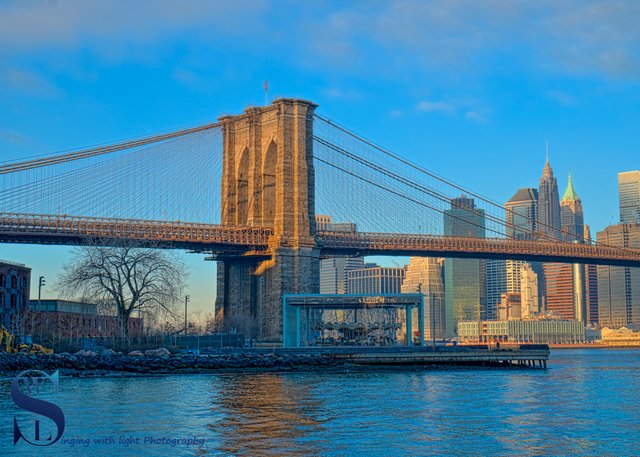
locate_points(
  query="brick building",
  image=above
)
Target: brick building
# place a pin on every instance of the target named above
(15, 281)
(72, 319)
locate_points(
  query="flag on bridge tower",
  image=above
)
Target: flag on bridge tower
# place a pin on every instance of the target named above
(266, 92)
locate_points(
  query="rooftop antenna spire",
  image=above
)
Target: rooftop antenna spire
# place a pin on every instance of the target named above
(547, 152)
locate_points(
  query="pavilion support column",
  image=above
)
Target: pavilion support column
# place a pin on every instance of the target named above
(421, 321)
(409, 329)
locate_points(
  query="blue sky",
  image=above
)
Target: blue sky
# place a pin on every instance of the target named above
(471, 90)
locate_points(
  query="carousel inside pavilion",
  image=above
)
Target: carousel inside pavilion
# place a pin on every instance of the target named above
(351, 320)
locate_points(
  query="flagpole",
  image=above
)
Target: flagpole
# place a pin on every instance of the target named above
(266, 93)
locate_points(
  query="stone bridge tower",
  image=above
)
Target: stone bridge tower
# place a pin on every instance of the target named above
(268, 181)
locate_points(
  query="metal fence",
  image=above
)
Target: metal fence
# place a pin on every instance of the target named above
(144, 343)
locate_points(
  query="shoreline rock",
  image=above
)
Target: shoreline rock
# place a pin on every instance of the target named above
(160, 361)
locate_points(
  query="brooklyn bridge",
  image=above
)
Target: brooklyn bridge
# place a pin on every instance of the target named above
(245, 191)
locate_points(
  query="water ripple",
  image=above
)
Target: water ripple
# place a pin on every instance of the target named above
(584, 404)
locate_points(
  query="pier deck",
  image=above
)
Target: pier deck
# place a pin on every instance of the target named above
(457, 356)
(532, 355)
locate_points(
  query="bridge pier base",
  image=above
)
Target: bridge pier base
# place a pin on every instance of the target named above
(236, 297)
(249, 294)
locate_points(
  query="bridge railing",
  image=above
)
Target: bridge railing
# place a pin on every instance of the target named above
(371, 243)
(159, 231)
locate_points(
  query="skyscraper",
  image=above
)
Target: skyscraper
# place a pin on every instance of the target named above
(549, 222)
(529, 291)
(465, 293)
(565, 290)
(619, 287)
(496, 285)
(522, 214)
(522, 224)
(629, 194)
(566, 284)
(591, 284)
(424, 274)
(334, 271)
(571, 215)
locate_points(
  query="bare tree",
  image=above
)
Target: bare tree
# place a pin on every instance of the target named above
(29, 321)
(236, 323)
(213, 323)
(201, 322)
(125, 278)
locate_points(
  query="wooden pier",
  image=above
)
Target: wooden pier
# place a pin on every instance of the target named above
(524, 355)
(477, 356)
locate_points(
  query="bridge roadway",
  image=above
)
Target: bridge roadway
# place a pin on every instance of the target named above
(77, 230)
(254, 241)
(364, 244)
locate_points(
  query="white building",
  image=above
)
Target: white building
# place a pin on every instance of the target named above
(544, 331)
(628, 335)
(424, 274)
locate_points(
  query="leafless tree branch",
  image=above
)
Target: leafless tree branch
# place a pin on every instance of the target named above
(118, 276)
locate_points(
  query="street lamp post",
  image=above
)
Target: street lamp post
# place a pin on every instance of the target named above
(186, 300)
(41, 284)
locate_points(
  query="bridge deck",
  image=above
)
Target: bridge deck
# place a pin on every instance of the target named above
(364, 244)
(74, 230)
(229, 240)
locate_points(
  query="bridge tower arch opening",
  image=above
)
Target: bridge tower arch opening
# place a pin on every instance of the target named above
(268, 181)
(242, 188)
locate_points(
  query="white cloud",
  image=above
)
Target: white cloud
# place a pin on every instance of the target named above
(439, 106)
(455, 38)
(475, 116)
(438, 38)
(119, 27)
(190, 79)
(11, 136)
(439, 45)
(562, 97)
(27, 82)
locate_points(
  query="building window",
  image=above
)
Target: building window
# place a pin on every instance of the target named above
(14, 282)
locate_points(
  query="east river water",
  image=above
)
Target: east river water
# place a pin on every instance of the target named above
(586, 403)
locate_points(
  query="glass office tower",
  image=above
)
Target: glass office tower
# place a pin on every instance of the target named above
(629, 193)
(465, 291)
